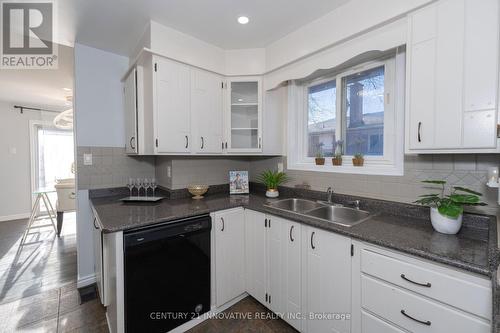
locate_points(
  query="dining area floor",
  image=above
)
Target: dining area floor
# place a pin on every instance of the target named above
(38, 290)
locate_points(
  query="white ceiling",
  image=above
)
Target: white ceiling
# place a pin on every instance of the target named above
(40, 87)
(115, 25)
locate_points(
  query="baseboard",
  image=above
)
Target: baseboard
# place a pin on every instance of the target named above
(14, 217)
(213, 312)
(85, 281)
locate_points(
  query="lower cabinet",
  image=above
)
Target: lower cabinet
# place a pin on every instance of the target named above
(300, 272)
(327, 281)
(393, 292)
(256, 255)
(229, 229)
(273, 264)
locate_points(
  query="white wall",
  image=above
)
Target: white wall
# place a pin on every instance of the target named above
(350, 19)
(15, 161)
(98, 97)
(99, 123)
(177, 45)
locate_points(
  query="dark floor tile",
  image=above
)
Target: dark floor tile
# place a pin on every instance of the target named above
(24, 313)
(86, 315)
(45, 326)
(69, 301)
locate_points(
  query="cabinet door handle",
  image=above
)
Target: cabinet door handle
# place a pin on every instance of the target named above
(418, 133)
(202, 143)
(426, 322)
(187, 141)
(291, 238)
(312, 243)
(132, 142)
(265, 223)
(223, 224)
(428, 285)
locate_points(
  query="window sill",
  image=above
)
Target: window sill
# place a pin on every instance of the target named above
(366, 169)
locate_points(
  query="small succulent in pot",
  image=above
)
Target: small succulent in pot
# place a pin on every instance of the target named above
(320, 159)
(358, 159)
(272, 179)
(337, 159)
(447, 209)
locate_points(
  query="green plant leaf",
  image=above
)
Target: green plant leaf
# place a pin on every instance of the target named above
(466, 190)
(439, 182)
(450, 210)
(464, 199)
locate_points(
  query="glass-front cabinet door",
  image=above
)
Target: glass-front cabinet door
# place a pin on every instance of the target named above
(244, 116)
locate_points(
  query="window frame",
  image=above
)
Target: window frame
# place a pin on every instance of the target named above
(391, 163)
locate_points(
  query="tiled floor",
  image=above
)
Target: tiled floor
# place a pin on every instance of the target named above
(246, 316)
(38, 282)
(38, 289)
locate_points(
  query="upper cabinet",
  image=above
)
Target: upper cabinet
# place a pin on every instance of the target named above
(175, 109)
(244, 115)
(206, 112)
(172, 107)
(452, 77)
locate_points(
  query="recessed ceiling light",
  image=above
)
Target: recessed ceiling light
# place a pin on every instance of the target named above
(243, 20)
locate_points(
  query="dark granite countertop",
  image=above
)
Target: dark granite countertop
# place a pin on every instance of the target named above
(403, 228)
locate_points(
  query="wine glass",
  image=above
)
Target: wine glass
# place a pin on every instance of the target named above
(153, 185)
(139, 186)
(131, 185)
(146, 186)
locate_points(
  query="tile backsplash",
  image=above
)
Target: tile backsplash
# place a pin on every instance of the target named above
(466, 170)
(111, 167)
(186, 170)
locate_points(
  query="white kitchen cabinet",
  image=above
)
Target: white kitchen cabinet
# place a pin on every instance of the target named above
(273, 264)
(452, 78)
(327, 282)
(394, 290)
(243, 118)
(172, 106)
(206, 112)
(256, 255)
(229, 229)
(291, 272)
(130, 107)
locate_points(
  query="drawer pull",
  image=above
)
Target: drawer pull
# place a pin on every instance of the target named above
(428, 323)
(428, 285)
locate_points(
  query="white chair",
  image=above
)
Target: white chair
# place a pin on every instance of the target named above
(66, 196)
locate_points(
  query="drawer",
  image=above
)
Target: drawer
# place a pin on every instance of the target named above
(372, 324)
(467, 292)
(422, 314)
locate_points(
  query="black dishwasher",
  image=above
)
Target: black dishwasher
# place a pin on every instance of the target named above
(167, 274)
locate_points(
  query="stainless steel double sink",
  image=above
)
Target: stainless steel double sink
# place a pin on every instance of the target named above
(333, 213)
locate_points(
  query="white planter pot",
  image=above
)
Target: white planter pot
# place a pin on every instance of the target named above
(272, 193)
(444, 224)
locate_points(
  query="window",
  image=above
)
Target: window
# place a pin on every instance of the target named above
(354, 111)
(321, 118)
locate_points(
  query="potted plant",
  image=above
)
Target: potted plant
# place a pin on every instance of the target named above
(447, 209)
(272, 179)
(358, 159)
(337, 159)
(320, 159)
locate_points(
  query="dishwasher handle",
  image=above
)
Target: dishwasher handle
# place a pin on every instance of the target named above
(167, 230)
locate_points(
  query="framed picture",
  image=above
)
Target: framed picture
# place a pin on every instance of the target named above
(238, 182)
